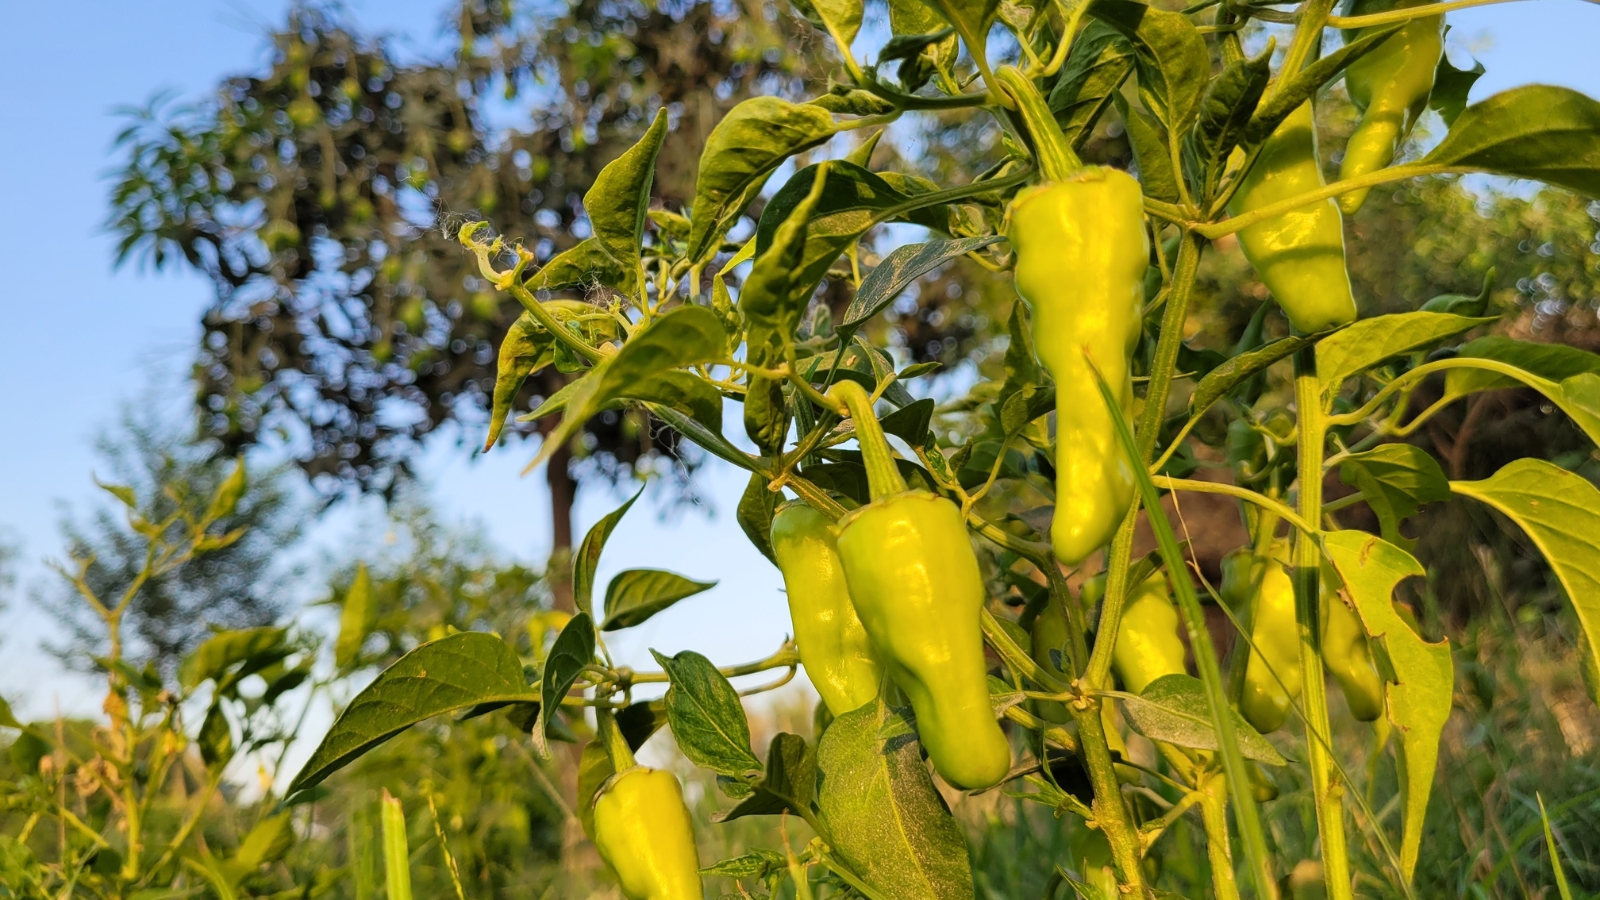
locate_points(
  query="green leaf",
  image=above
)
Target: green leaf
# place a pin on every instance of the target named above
(1367, 342)
(1170, 55)
(971, 19)
(1309, 81)
(836, 17)
(757, 506)
(1577, 395)
(1420, 673)
(711, 441)
(1551, 134)
(572, 650)
(594, 769)
(1451, 87)
(905, 46)
(680, 337)
(588, 558)
(1461, 304)
(450, 674)
(1099, 61)
(754, 138)
(620, 197)
(267, 842)
(120, 491)
(1148, 138)
(884, 817)
(635, 595)
(910, 423)
(775, 293)
(583, 266)
(1237, 370)
(355, 618)
(254, 647)
(852, 201)
(527, 347)
(788, 784)
(755, 864)
(1225, 110)
(1564, 889)
(1395, 479)
(707, 718)
(685, 392)
(897, 272)
(1173, 708)
(8, 719)
(1560, 511)
(215, 738)
(1553, 362)
(228, 493)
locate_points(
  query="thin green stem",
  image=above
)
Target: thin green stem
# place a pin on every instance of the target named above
(1215, 230)
(1406, 14)
(1057, 161)
(1245, 494)
(883, 472)
(1328, 795)
(1214, 813)
(1311, 18)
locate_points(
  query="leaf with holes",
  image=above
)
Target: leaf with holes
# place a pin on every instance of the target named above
(1395, 479)
(1420, 674)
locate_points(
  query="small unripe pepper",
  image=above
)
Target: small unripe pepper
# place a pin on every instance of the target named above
(834, 647)
(1390, 85)
(1051, 634)
(1082, 252)
(1263, 594)
(914, 579)
(643, 832)
(1299, 255)
(1148, 645)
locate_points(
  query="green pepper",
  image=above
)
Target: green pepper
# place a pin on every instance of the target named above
(834, 647)
(914, 578)
(643, 832)
(1091, 856)
(1299, 255)
(1148, 645)
(1262, 592)
(1082, 252)
(1347, 654)
(1390, 86)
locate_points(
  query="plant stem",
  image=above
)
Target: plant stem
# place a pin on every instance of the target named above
(1110, 812)
(1214, 812)
(1328, 795)
(883, 473)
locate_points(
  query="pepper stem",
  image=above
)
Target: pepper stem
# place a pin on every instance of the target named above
(883, 474)
(616, 745)
(1057, 161)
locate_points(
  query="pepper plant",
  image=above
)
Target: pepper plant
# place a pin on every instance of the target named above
(902, 558)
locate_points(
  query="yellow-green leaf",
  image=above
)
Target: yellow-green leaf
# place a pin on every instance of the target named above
(1420, 674)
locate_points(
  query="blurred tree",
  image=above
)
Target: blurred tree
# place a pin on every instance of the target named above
(237, 586)
(320, 197)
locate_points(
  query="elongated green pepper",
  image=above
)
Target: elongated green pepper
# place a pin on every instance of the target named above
(834, 647)
(1299, 255)
(643, 832)
(1263, 593)
(1148, 645)
(914, 579)
(1390, 86)
(1082, 252)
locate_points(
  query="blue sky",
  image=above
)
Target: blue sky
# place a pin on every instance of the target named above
(79, 338)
